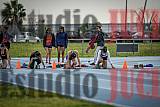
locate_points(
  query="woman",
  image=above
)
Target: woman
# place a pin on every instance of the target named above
(102, 57)
(6, 38)
(71, 59)
(35, 58)
(4, 54)
(61, 42)
(48, 42)
(99, 39)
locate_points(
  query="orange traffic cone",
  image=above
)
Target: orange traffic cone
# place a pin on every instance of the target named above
(54, 65)
(18, 65)
(125, 65)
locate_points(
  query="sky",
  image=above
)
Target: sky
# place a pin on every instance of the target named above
(98, 8)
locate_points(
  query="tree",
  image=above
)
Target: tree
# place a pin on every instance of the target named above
(87, 30)
(13, 13)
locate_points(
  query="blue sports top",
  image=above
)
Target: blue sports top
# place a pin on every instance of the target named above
(61, 39)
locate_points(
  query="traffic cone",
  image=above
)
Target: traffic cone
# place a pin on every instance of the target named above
(18, 65)
(125, 65)
(54, 65)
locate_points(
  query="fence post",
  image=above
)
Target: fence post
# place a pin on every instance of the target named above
(151, 46)
(133, 46)
(116, 48)
(82, 47)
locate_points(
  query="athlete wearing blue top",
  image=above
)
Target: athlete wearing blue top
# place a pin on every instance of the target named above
(61, 42)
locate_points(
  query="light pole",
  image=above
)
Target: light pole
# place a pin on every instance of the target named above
(144, 9)
(126, 17)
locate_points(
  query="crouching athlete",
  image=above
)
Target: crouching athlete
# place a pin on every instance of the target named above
(102, 57)
(4, 55)
(71, 59)
(35, 60)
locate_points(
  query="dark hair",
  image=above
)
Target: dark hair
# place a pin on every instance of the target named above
(2, 45)
(6, 27)
(48, 30)
(98, 26)
(105, 49)
(37, 53)
(73, 55)
(61, 27)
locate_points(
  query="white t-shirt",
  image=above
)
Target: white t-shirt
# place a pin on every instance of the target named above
(99, 56)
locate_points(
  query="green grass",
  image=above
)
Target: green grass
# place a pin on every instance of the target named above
(25, 49)
(40, 99)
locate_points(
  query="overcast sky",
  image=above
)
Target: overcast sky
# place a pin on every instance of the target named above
(98, 8)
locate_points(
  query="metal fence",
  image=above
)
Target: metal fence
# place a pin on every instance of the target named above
(75, 30)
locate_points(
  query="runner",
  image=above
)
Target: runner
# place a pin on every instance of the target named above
(4, 55)
(71, 59)
(61, 42)
(99, 39)
(6, 38)
(102, 57)
(35, 58)
(48, 42)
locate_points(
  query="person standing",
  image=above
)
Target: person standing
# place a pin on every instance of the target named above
(61, 42)
(1, 35)
(48, 43)
(6, 38)
(99, 39)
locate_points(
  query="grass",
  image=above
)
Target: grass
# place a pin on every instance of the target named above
(40, 99)
(25, 49)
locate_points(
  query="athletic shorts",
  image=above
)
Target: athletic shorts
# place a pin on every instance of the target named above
(33, 62)
(105, 58)
(60, 45)
(48, 46)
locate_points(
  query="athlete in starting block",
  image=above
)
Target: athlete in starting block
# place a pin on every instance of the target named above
(4, 55)
(102, 57)
(35, 60)
(71, 60)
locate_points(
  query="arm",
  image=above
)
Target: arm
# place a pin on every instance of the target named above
(8, 58)
(68, 62)
(44, 40)
(42, 61)
(31, 60)
(109, 59)
(56, 40)
(66, 38)
(93, 39)
(78, 58)
(53, 40)
(91, 43)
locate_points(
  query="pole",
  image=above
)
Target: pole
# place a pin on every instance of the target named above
(144, 9)
(126, 18)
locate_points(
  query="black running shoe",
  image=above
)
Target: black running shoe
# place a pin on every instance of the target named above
(92, 63)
